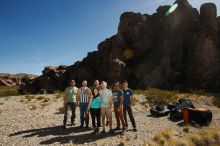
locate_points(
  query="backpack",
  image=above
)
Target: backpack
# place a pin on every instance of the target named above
(200, 116)
(177, 107)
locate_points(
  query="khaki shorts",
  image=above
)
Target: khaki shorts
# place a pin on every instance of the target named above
(106, 112)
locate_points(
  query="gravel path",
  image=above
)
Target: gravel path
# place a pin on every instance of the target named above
(38, 122)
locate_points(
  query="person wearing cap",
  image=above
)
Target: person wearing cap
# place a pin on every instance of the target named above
(118, 106)
(70, 102)
(127, 103)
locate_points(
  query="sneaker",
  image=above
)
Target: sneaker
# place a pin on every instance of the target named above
(135, 129)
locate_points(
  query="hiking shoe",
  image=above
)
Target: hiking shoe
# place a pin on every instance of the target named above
(64, 127)
(87, 127)
(111, 131)
(117, 128)
(123, 129)
(135, 129)
(103, 131)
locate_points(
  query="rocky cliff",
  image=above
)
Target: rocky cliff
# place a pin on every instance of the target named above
(180, 51)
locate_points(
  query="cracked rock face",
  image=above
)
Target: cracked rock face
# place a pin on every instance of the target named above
(180, 51)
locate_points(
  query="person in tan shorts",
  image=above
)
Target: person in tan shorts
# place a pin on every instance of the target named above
(106, 105)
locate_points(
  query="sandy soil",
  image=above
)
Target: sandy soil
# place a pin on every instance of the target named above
(38, 122)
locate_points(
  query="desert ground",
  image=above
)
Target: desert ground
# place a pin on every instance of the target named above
(37, 120)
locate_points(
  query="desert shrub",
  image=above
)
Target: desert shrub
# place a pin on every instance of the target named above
(8, 91)
(160, 97)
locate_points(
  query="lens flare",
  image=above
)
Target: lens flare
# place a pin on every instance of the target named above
(128, 54)
(171, 10)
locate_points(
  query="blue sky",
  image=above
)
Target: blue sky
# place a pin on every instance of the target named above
(38, 33)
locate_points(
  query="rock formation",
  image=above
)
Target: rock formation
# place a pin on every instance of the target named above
(16, 79)
(180, 51)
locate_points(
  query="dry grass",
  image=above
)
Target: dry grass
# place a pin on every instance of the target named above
(207, 137)
(216, 101)
(44, 104)
(32, 107)
(61, 110)
(40, 97)
(46, 99)
(160, 97)
(59, 94)
(29, 98)
(8, 91)
(0, 110)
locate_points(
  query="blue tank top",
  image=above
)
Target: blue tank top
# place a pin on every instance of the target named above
(96, 102)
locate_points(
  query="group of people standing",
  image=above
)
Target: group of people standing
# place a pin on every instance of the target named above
(99, 102)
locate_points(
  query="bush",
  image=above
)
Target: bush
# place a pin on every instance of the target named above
(8, 91)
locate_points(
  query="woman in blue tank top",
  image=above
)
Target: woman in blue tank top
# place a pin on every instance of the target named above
(94, 108)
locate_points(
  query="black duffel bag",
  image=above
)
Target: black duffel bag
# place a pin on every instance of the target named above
(200, 116)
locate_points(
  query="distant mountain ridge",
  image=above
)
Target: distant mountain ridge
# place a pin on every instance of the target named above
(15, 79)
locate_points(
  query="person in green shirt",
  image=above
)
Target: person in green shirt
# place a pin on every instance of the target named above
(70, 102)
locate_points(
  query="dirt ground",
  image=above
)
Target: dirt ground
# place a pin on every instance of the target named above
(35, 121)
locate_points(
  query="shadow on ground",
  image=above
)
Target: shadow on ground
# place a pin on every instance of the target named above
(63, 135)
